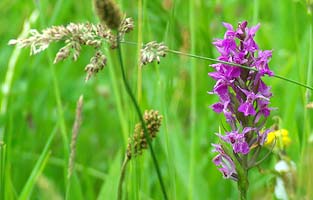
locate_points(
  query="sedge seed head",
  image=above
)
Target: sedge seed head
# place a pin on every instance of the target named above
(137, 143)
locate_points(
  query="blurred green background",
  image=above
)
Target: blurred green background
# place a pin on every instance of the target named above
(177, 88)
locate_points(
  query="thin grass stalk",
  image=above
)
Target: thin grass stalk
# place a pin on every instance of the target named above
(139, 79)
(6, 90)
(58, 5)
(170, 28)
(306, 173)
(59, 163)
(118, 100)
(298, 56)
(192, 123)
(60, 110)
(139, 39)
(9, 189)
(308, 93)
(7, 84)
(57, 96)
(238, 65)
(75, 131)
(8, 81)
(122, 177)
(2, 168)
(139, 113)
(37, 171)
(256, 11)
(308, 118)
(228, 63)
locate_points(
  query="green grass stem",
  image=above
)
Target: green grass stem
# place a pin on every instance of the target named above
(2, 169)
(193, 95)
(139, 113)
(118, 98)
(139, 39)
(6, 88)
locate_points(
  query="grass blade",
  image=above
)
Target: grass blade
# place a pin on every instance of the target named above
(193, 74)
(38, 168)
(2, 168)
(6, 90)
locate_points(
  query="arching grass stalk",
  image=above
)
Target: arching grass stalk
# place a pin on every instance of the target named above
(139, 113)
(238, 65)
(228, 63)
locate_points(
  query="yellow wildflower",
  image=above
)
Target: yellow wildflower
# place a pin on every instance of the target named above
(281, 136)
(270, 138)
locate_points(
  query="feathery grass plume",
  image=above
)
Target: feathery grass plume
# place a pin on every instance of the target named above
(97, 63)
(127, 25)
(108, 13)
(152, 51)
(75, 130)
(74, 36)
(137, 143)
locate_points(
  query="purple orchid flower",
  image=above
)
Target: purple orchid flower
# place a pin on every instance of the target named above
(243, 96)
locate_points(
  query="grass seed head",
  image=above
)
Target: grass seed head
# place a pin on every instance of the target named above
(152, 51)
(97, 63)
(108, 13)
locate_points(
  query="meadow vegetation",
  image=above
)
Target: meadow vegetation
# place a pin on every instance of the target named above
(39, 102)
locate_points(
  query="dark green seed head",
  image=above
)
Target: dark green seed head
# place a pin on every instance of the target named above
(108, 13)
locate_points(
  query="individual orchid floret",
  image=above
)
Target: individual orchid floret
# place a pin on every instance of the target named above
(237, 140)
(261, 62)
(247, 108)
(226, 164)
